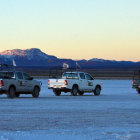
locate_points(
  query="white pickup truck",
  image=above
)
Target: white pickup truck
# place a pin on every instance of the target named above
(75, 82)
(14, 83)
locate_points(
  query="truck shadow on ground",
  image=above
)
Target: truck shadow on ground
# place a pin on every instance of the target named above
(54, 97)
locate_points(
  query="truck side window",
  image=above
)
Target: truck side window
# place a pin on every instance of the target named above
(19, 75)
(88, 77)
(26, 76)
(82, 75)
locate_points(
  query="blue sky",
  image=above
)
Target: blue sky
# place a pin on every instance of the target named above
(75, 29)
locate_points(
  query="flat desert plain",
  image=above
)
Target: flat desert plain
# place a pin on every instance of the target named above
(115, 115)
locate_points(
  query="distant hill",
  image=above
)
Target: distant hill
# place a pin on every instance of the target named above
(36, 58)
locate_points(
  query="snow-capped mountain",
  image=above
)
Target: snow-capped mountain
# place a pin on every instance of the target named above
(29, 57)
(29, 54)
(15, 52)
(100, 60)
(35, 57)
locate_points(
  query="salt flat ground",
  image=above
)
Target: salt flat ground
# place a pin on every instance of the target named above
(115, 115)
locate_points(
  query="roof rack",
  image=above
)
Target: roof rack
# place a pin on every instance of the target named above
(6, 67)
(57, 72)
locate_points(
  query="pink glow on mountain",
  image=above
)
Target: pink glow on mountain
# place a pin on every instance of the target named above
(16, 52)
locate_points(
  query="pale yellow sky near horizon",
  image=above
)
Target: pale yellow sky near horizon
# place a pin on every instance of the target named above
(82, 29)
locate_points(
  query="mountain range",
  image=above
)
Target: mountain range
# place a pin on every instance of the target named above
(35, 57)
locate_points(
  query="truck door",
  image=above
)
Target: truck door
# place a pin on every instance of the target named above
(20, 82)
(83, 82)
(28, 82)
(90, 82)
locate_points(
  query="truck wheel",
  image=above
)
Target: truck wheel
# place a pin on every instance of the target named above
(97, 91)
(11, 92)
(74, 91)
(138, 91)
(35, 93)
(17, 94)
(57, 92)
(81, 93)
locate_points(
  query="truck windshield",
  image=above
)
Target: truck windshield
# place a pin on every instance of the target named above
(6, 75)
(70, 75)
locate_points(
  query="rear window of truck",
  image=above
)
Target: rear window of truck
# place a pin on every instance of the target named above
(6, 75)
(70, 75)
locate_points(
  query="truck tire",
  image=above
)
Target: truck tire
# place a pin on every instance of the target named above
(35, 93)
(81, 93)
(138, 91)
(57, 92)
(12, 92)
(97, 91)
(74, 91)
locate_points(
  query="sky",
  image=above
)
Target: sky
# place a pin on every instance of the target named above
(77, 29)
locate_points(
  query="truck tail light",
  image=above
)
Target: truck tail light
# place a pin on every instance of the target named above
(66, 82)
(1, 83)
(48, 82)
(132, 82)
